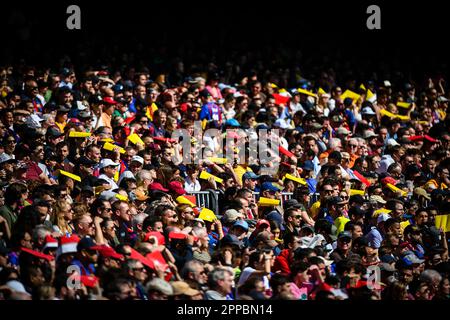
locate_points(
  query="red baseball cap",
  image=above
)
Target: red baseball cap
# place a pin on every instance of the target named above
(177, 187)
(109, 100)
(389, 180)
(177, 235)
(38, 254)
(109, 252)
(157, 186)
(155, 234)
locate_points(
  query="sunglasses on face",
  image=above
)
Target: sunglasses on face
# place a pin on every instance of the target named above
(139, 269)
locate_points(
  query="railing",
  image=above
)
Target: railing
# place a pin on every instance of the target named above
(204, 198)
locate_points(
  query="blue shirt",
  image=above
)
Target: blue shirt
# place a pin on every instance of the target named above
(85, 271)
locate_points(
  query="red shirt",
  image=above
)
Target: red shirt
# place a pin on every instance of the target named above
(33, 171)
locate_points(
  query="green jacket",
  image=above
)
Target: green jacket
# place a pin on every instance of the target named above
(9, 215)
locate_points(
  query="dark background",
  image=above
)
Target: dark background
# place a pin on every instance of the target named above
(313, 34)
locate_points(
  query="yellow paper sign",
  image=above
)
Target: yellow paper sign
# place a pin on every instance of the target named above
(405, 105)
(70, 175)
(423, 122)
(110, 147)
(362, 87)
(350, 94)
(121, 197)
(387, 113)
(403, 118)
(404, 224)
(266, 202)
(184, 200)
(355, 192)
(207, 215)
(296, 179)
(443, 221)
(206, 175)
(308, 93)
(376, 213)
(135, 139)
(370, 96)
(395, 189)
(107, 140)
(99, 189)
(321, 91)
(218, 160)
(75, 134)
(392, 115)
(273, 85)
(204, 123)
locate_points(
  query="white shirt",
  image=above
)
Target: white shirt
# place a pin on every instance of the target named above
(190, 186)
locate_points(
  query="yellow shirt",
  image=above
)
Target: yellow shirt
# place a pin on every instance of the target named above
(61, 126)
(315, 207)
(340, 223)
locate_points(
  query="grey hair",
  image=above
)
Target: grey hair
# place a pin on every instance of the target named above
(334, 142)
(189, 267)
(139, 219)
(218, 274)
(40, 232)
(430, 276)
(141, 175)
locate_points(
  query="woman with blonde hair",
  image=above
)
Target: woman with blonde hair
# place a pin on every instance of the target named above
(63, 216)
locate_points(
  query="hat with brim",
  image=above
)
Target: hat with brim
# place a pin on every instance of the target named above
(369, 134)
(422, 193)
(107, 163)
(182, 288)
(342, 131)
(345, 235)
(266, 238)
(158, 186)
(377, 198)
(326, 261)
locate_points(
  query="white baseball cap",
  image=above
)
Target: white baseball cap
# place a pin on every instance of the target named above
(107, 163)
(138, 159)
(383, 217)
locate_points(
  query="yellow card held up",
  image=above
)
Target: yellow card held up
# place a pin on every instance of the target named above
(395, 189)
(403, 118)
(350, 94)
(387, 113)
(376, 213)
(321, 91)
(121, 197)
(362, 87)
(218, 160)
(135, 139)
(355, 192)
(207, 215)
(75, 134)
(266, 202)
(296, 179)
(206, 175)
(443, 221)
(110, 147)
(184, 200)
(308, 93)
(371, 96)
(405, 105)
(70, 175)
